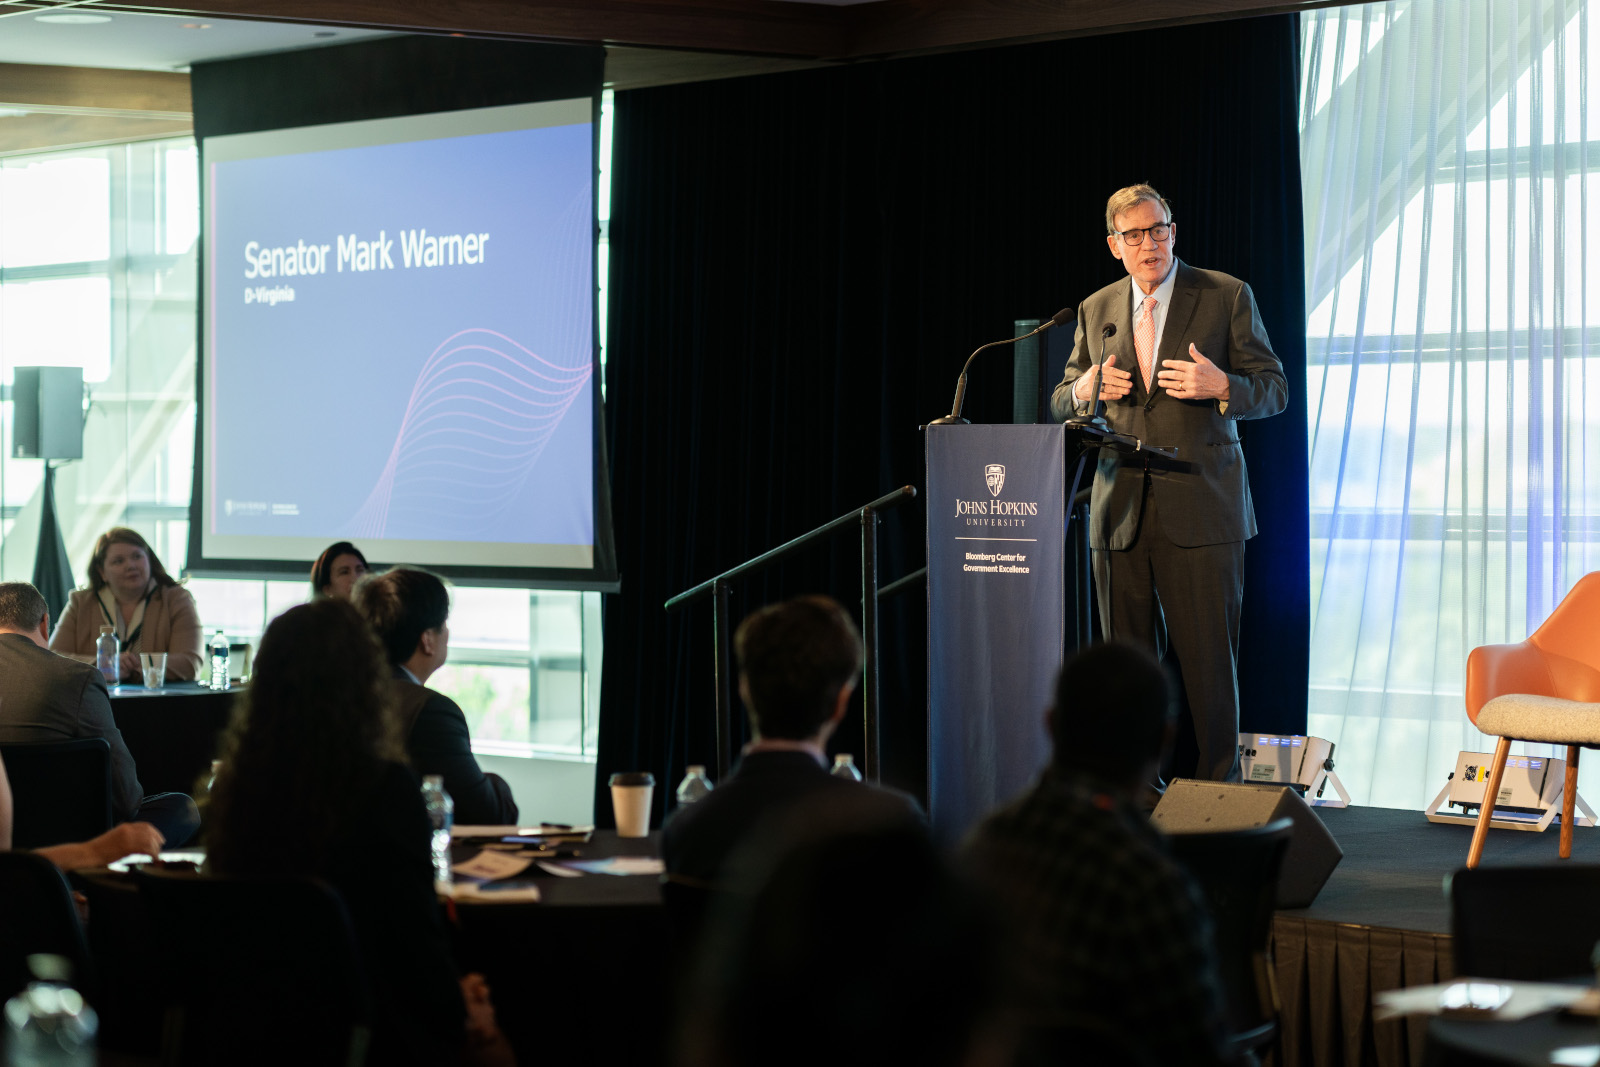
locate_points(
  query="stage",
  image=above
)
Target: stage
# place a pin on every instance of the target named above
(1382, 922)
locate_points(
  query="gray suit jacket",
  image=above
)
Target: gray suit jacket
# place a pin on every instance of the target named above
(46, 697)
(1203, 496)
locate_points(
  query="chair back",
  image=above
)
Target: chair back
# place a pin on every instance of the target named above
(39, 916)
(689, 903)
(1559, 659)
(123, 946)
(1532, 924)
(1572, 630)
(257, 970)
(61, 791)
(1237, 871)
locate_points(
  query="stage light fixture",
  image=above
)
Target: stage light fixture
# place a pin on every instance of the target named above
(1290, 759)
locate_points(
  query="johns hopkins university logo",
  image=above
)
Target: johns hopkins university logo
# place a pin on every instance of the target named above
(994, 475)
(994, 511)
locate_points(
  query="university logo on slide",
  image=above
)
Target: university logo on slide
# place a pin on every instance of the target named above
(995, 476)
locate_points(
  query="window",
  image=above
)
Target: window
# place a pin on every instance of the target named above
(1450, 176)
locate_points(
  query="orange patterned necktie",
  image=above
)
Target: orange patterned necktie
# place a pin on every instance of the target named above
(1144, 340)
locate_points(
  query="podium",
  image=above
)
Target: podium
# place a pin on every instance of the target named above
(997, 506)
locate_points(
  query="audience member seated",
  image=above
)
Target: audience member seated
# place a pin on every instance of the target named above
(46, 697)
(1113, 938)
(408, 608)
(338, 569)
(847, 941)
(313, 782)
(130, 591)
(798, 664)
(125, 839)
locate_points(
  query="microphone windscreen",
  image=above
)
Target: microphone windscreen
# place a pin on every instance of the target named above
(1108, 329)
(1064, 315)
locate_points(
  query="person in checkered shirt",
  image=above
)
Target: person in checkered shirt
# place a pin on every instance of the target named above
(1112, 939)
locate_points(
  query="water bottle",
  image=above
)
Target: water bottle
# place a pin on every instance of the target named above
(48, 1024)
(695, 785)
(844, 766)
(219, 661)
(441, 813)
(107, 655)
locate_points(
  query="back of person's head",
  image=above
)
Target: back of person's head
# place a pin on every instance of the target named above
(845, 940)
(306, 742)
(122, 535)
(401, 605)
(1113, 711)
(322, 569)
(794, 658)
(22, 607)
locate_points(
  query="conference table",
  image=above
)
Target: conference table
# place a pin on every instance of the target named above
(1551, 1037)
(584, 975)
(588, 964)
(172, 732)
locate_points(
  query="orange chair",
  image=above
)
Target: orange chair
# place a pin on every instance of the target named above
(1545, 689)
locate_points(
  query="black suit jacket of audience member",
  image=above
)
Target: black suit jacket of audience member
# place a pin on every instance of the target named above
(698, 839)
(438, 742)
(46, 697)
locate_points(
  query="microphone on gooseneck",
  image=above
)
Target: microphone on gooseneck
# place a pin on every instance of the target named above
(1064, 315)
(1107, 332)
(1094, 418)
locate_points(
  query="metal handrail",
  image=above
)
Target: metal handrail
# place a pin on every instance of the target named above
(717, 589)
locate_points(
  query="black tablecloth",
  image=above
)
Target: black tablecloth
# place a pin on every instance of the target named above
(172, 733)
(585, 976)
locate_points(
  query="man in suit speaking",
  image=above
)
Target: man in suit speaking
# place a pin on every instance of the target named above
(1189, 358)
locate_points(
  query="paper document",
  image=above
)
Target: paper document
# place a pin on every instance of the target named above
(1576, 1056)
(619, 865)
(489, 866)
(558, 870)
(485, 893)
(1525, 999)
(543, 829)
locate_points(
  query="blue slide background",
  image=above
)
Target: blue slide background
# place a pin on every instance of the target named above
(311, 396)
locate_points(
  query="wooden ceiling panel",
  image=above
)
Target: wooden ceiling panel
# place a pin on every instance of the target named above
(817, 31)
(905, 27)
(49, 132)
(762, 27)
(89, 89)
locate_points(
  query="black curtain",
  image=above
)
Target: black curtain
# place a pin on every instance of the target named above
(800, 264)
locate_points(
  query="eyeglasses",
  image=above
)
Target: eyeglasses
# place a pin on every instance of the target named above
(1158, 233)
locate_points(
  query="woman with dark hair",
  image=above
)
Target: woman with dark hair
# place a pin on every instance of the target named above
(339, 567)
(313, 782)
(130, 591)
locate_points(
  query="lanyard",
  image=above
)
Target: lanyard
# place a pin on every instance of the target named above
(128, 641)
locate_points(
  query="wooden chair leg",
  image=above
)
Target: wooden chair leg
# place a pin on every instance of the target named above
(1502, 750)
(1569, 801)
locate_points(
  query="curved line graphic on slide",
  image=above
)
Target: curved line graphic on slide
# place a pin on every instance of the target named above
(480, 414)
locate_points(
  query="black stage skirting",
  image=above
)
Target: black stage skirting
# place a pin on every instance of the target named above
(1382, 922)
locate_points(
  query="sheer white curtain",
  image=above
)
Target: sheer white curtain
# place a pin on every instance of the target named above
(1452, 210)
